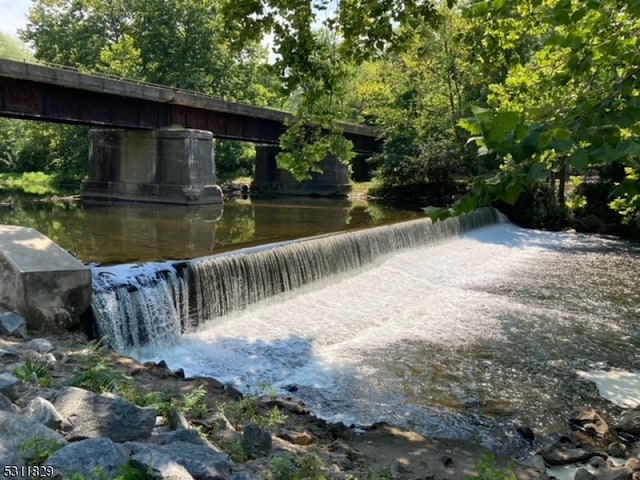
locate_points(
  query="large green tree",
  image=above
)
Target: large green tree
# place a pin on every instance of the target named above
(178, 43)
(572, 105)
(313, 64)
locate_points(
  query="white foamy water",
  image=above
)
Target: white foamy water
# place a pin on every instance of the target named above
(445, 338)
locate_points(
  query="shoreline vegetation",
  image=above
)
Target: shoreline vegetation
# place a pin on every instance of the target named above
(294, 444)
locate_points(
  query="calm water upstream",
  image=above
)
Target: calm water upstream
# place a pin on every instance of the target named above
(120, 232)
(463, 339)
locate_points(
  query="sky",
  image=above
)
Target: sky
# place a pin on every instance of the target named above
(13, 15)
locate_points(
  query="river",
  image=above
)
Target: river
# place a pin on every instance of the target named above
(469, 338)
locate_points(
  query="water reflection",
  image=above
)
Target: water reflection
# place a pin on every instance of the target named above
(110, 233)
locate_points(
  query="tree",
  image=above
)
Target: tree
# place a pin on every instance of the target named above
(573, 104)
(312, 67)
(177, 43)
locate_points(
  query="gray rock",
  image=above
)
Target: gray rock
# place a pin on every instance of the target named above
(297, 438)
(256, 440)
(41, 345)
(8, 405)
(44, 412)
(630, 423)
(182, 435)
(200, 461)
(587, 420)
(177, 420)
(561, 451)
(603, 471)
(243, 476)
(8, 354)
(10, 386)
(149, 458)
(617, 449)
(23, 437)
(93, 416)
(88, 456)
(13, 325)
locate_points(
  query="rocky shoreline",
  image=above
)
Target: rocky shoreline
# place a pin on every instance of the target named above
(201, 429)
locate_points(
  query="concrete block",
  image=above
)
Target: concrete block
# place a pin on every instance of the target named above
(41, 281)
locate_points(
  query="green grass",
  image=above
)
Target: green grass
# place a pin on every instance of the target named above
(32, 183)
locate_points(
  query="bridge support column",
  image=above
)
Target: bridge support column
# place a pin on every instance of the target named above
(164, 166)
(271, 180)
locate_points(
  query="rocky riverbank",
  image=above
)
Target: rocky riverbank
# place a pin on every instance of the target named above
(158, 422)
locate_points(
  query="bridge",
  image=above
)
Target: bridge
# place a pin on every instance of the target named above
(145, 127)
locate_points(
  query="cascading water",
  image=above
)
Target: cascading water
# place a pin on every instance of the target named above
(138, 305)
(152, 304)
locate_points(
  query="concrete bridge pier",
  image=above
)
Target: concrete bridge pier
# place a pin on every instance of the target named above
(271, 180)
(174, 166)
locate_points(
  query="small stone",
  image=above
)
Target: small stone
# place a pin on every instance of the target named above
(630, 423)
(256, 440)
(297, 438)
(13, 325)
(41, 345)
(8, 354)
(9, 386)
(8, 405)
(446, 460)
(561, 451)
(634, 464)
(177, 420)
(617, 449)
(587, 420)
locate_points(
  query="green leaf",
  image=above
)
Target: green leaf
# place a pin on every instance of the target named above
(579, 159)
(512, 191)
(536, 172)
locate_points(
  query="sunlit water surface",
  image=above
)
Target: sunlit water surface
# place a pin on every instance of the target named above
(120, 232)
(469, 338)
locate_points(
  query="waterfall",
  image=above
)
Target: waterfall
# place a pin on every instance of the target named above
(140, 305)
(152, 304)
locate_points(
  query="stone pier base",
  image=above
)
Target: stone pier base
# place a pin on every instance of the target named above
(271, 180)
(164, 166)
(41, 281)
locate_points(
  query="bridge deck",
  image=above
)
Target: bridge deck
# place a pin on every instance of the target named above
(41, 92)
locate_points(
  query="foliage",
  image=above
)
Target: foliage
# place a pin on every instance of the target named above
(417, 97)
(34, 369)
(27, 146)
(13, 48)
(97, 376)
(248, 410)
(284, 467)
(178, 43)
(38, 449)
(127, 472)
(487, 470)
(30, 183)
(572, 105)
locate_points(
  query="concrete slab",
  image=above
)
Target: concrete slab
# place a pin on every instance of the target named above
(41, 281)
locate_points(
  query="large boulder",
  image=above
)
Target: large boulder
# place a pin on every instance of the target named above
(90, 458)
(21, 439)
(200, 461)
(92, 416)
